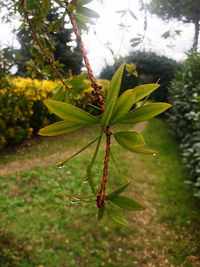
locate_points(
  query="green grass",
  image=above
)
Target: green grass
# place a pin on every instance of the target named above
(38, 228)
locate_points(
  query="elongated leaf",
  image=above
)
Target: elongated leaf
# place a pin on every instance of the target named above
(112, 95)
(83, 2)
(117, 217)
(129, 140)
(60, 94)
(142, 150)
(62, 163)
(118, 168)
(123, 105)
(90, 179)
(46, 5)
(71, 113)
(127, 203)
(144, 113)
(56, 25)
(87, 12)
(60, 127)
(144, 90)
(117, 192)
(101, 212)
(77, 198)
(89, 167)
(132, 14)
(71, 7)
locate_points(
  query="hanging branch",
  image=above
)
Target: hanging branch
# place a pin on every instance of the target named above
(98, 99)
(97, 87)
(50, 61)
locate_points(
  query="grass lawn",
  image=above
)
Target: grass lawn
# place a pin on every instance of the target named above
(39, 229)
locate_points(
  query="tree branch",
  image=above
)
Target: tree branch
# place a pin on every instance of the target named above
(97, 87)
(51, 62)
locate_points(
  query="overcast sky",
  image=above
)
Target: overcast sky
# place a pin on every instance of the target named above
(108, 31)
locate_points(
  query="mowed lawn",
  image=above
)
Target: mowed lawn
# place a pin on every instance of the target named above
(37, 228)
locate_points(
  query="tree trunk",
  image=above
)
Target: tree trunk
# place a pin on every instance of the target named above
(196, 35)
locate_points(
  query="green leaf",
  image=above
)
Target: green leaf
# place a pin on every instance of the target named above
(71, 8)
(101, 212)
(135, 44)
(60, 127)
(117, 192)
(90, 165)
(144, 90)
(118, 168)
(90, 179)
(127, 203)
(56, 25)
(141, 150)
(112, 95)
(83, 2)
(81, 21)
(46, 5)
(60, 93)
(77, 198)
(144, 113)
(71, 113)
(117, 217)
(123, 105)
(129, 140)
(63, 162)
(87, 12)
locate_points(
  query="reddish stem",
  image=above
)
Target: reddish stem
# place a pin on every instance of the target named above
(99, 99)
(97, 87)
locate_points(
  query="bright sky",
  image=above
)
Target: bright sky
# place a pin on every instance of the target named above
(108, 31)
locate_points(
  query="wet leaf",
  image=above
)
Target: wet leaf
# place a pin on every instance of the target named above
(129, 140)
(62, 163)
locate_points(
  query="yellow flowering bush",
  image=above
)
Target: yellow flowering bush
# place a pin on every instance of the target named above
(22, 112)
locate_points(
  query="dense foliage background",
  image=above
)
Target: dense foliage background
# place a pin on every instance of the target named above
(184, 117)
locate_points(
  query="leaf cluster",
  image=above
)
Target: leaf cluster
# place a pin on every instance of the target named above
(117, 110)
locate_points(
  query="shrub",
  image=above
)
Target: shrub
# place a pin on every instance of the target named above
(150, 67)
(185, 116)
(22, 111)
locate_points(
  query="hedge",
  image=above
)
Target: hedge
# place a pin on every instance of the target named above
(185, 116)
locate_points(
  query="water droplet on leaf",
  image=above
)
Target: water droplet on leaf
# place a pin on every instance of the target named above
(60, 166)
(73, 201)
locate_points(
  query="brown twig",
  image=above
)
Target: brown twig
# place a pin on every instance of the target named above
(99, 99)
(51, 61)
(97, 87)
